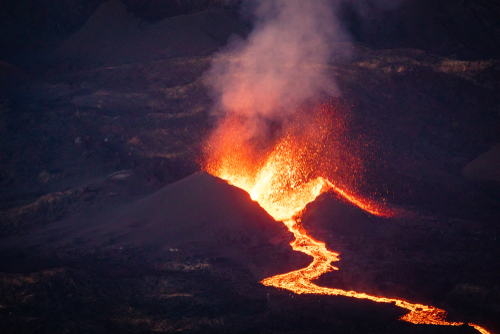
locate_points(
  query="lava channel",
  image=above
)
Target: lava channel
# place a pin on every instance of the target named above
(281, 187)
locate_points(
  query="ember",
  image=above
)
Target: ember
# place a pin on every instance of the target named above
(283, 182)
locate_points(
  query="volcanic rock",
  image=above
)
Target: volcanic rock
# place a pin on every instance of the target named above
(200, 216)
(112, 35)
(464, 29)
(107, 245)
(199, 211)
(485, 167)
(330, 213)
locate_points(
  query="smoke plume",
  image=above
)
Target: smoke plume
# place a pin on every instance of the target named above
(282, 61)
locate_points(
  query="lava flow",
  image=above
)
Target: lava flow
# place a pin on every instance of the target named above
(283, 183)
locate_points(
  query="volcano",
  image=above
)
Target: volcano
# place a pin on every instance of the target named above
(119, 212)
(200, 216)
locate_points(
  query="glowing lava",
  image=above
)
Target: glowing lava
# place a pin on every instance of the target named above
(283, 184)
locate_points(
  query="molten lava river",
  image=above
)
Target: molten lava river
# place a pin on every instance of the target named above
(281, 183)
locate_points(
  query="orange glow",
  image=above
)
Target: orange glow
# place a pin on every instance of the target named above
(479, 328)
(299, 281)
(283, 181)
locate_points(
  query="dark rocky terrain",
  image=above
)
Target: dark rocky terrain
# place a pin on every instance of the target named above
(93, 123)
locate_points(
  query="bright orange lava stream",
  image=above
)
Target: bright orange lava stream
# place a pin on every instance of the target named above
(280, 186)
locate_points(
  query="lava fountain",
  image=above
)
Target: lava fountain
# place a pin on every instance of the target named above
(283, 179)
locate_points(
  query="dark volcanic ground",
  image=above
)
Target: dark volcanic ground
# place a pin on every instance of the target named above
(98, 136)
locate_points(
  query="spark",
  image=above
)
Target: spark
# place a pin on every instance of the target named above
(283, 185)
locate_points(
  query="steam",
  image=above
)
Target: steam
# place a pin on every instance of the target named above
(281, 64)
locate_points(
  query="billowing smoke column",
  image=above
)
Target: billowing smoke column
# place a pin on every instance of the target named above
(282, 62)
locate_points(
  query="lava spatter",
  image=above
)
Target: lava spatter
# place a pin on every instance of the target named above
(283, 182)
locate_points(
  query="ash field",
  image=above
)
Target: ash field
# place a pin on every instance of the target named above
(109, 221)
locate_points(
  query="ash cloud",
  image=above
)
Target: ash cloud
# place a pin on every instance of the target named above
(283, 61)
